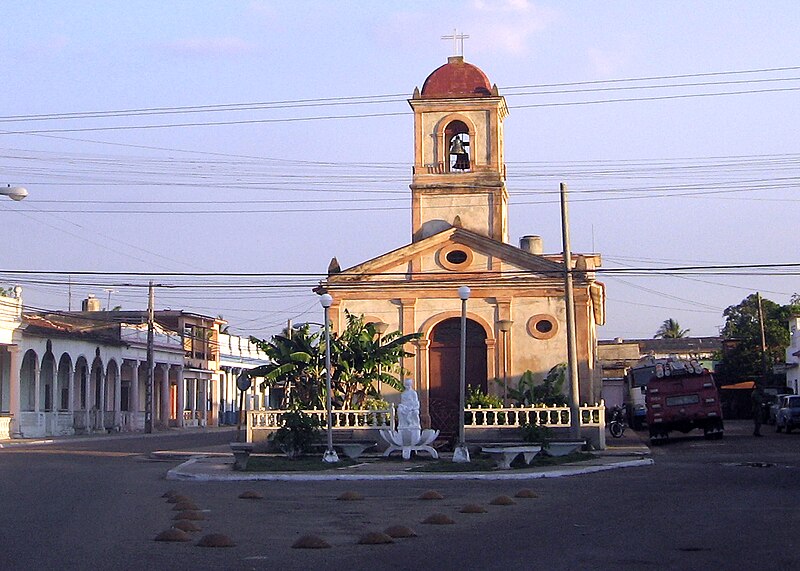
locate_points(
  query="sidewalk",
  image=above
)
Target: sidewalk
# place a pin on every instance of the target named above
(217, 466)
(107, 436)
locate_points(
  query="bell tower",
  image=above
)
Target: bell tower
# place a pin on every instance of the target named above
(459, 170)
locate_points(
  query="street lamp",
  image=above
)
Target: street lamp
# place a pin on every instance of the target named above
(14, 192)
(380, 329)
(330, 456)
(505, 327)
(461, 453)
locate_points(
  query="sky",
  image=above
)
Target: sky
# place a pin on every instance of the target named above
(265, 137)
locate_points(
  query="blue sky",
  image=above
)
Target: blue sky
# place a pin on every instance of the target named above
(657, 180)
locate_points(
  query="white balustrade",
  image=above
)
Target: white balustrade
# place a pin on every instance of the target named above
(342, 419)
(543, 415)
(5, 427)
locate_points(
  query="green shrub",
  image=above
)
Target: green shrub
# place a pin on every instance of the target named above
(536, 433)
(298, 433)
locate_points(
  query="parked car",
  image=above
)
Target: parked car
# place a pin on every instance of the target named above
(788, 416)
(772, 414)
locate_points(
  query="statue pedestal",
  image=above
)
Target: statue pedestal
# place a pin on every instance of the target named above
(409, 440)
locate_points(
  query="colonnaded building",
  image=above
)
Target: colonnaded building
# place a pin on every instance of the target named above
(516, 316)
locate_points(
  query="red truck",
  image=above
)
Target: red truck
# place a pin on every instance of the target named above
(681, 395)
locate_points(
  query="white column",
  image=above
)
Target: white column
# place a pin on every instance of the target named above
(193, 395)
(36, 388)
(181, 396)
(102, 404)
(165, 401)
(134, 397)
(14, 389)
(118, 398)
(71, 390)
(213, 397)
(203, 392)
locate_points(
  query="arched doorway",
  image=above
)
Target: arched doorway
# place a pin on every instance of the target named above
(445, 370)
(27, 380)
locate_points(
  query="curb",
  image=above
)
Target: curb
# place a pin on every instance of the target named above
(180, 473)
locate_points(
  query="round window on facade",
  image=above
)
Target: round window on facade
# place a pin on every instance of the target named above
(542, 326)
(455, 257)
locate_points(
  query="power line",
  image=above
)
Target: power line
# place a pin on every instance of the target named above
(399, 97)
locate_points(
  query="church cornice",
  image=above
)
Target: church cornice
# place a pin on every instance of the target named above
(544, 272)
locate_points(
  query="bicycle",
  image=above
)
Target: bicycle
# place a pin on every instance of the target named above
(616, 426)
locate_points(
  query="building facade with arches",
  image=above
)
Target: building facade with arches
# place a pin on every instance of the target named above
(65, 373)
(516, 313)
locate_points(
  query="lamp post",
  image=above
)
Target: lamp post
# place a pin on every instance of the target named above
(330, 455)
(461, 453)
(505, 327)
(14, 192)
(380, 329)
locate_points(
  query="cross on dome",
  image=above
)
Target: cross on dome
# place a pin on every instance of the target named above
(458, 42)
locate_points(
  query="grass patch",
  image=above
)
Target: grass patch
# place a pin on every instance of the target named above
(481, 463)
(301, 464)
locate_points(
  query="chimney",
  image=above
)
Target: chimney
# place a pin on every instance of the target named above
(91, 303)
(531, 244)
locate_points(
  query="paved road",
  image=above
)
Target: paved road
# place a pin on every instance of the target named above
(730, 504)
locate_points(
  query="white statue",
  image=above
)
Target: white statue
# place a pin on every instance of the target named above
(408, 411)
(409, 437)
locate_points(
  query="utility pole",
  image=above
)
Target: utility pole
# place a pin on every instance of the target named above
(572, 364)
(148, 395)
(763, 341)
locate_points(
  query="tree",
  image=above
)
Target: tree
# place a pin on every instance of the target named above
(670, 329)
(296, 363)
(742, 358)
(360, 359)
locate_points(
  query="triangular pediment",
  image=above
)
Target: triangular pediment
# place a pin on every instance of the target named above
(452, 251)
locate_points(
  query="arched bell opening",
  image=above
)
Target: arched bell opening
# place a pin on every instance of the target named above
(457, 139)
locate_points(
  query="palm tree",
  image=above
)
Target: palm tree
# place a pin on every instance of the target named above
(296, 363)
(670, 329)
(360, 359)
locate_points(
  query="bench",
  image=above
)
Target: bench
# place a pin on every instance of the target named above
(557, 449)
(352, 450)
(241, 454)
(504, 455)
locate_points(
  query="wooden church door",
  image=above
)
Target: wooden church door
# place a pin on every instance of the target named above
(444, 375)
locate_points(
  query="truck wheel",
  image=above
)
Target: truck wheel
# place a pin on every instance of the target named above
(778, 427)
(789, 428)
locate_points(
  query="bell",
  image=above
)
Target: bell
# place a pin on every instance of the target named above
(462, 162)
(457, 147)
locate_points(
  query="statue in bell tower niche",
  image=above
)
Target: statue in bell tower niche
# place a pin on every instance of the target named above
(459, 149)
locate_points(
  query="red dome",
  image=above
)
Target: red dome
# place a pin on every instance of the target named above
(456, 78)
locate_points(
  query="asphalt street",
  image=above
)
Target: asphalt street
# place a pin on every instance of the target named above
(96, 504)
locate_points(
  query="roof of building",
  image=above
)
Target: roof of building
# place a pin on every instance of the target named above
(64, 325)
(681, 345)
(456, 79)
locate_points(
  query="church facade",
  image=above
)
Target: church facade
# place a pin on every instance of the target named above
(516, 314)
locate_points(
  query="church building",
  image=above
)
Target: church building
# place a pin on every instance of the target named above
(516, 316)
